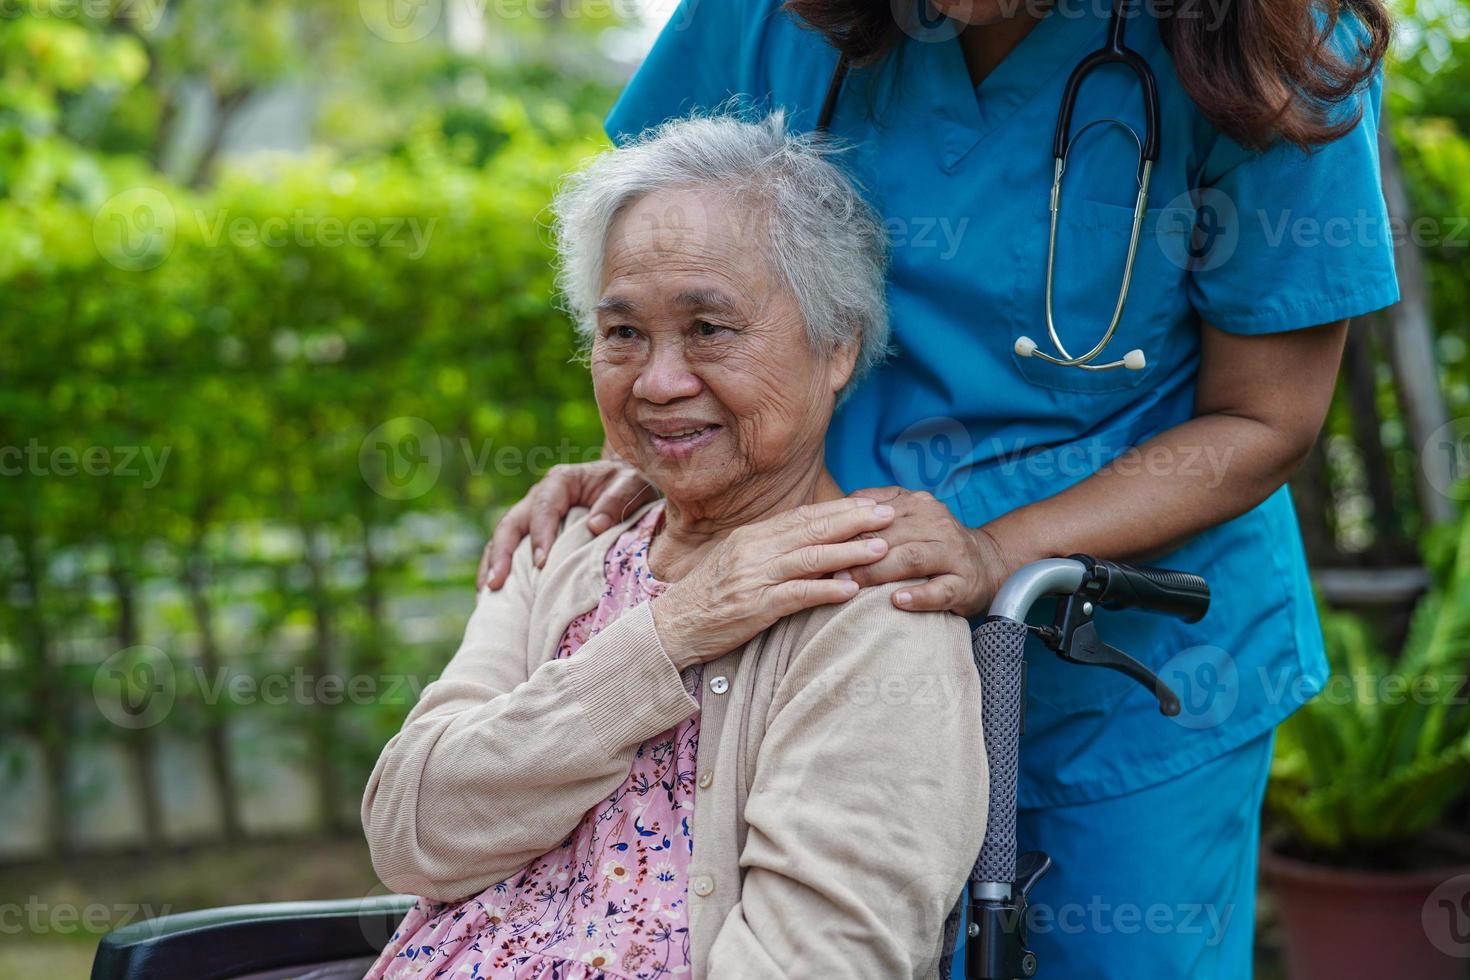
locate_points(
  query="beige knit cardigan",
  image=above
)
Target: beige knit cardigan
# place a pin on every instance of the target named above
(841, 787)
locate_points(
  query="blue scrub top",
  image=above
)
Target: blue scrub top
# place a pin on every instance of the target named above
(1249, 242)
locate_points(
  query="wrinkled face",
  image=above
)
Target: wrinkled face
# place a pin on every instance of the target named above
(701, 365)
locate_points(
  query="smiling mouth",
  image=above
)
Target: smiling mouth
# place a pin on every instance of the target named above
(682, 442)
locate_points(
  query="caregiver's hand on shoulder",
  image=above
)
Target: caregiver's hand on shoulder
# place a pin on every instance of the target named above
(964, 565)
(610, 487)
(765, 571)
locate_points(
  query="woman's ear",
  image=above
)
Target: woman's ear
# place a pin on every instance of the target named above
(843, 362)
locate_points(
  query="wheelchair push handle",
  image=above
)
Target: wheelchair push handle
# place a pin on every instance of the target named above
(1105, 583)
(1087, 585)
(1121, 586)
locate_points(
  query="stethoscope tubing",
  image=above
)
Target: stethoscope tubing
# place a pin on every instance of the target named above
(1115, 50)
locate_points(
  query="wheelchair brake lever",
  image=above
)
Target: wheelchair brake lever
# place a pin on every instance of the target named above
(1073, 637)
(1031, 867)
(1087, 648)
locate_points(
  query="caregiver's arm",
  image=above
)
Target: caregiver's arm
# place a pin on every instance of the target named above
(1259, 405)
(868, 802)
(495, 766)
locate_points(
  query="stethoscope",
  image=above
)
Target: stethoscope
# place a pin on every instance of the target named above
(1114, 51)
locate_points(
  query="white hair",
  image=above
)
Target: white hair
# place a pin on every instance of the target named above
(820, 236)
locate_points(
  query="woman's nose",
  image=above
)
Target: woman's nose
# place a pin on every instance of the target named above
(666, 377)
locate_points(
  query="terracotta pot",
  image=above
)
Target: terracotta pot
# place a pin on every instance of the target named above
(1347, 925)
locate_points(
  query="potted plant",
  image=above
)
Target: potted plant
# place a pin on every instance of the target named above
(1368, 880)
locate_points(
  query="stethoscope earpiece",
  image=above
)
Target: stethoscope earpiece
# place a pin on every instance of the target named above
(1025, 347)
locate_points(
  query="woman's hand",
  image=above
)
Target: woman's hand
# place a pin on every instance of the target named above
(765, 571)
(964, 566)
(610, 487)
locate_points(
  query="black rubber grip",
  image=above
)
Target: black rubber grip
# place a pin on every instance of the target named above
(1178, 594)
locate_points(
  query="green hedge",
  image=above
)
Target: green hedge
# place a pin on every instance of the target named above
(259, 331)
(187, 379)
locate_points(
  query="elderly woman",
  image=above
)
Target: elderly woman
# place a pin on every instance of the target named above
(690, 744)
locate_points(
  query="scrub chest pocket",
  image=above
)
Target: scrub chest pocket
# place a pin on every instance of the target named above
(1092, 246)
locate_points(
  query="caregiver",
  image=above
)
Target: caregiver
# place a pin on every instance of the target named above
(1266, 230)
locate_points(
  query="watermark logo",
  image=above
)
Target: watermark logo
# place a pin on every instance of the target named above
(401, 21)
(135, 230)
(1199, 230)
(135, 688)
(932, 454)
(401, 458)
(1208, 685)
(919, 908)
(1446, 917)
(1449, 444)
(378, 915)
(924, 21)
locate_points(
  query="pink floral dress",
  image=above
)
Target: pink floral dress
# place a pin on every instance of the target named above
(610, 902)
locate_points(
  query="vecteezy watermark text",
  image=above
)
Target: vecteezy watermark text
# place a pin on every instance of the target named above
(147, 14)
(36, 917)
(35, 459)
(137, 229)
(306, 230)
(403, 458)
(1086, 457)
(138, 687)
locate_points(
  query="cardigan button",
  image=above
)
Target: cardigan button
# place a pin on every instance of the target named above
(703, 885)
(706, 779)
(719, 684)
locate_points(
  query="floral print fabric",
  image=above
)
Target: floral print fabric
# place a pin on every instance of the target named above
(610, 901)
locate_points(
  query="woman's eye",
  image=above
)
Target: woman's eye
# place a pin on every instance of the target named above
(706, 329)
(625, 333)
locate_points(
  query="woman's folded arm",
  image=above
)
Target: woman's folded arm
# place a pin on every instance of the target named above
(868, 805)
(493, 768)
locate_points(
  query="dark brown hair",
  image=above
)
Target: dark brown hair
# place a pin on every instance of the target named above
(1261, 71)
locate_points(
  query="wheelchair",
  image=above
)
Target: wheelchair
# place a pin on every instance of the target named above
(339, 940)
